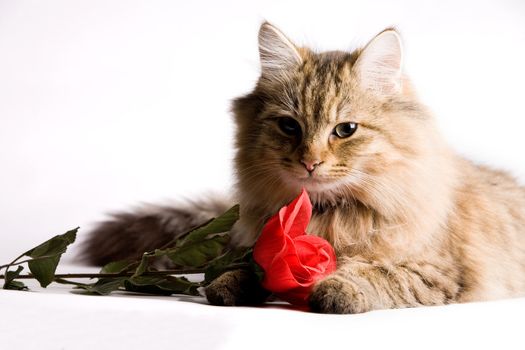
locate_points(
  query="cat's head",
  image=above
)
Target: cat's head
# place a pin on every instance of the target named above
(340, 124)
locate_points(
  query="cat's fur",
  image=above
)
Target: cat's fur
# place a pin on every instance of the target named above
(412, 222)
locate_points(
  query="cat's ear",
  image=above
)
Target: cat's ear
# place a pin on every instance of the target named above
(276, 51)
(378, 67)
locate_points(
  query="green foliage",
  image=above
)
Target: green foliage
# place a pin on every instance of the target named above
(162, 285)
(198, 253)
(202, 250)
(222, 224)
(10, 283)
(197, 249)
(44, 260)
(46, 256)
(143, 265)
(44, 269)
(230, 259)
(118, 266)
(55, 246)
(103, 286)
(16, 285)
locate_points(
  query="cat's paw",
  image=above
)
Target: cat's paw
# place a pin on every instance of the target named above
(335, 295)
(238, 287)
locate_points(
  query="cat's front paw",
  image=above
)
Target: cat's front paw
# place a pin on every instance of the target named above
(238, 287)
(336, 295)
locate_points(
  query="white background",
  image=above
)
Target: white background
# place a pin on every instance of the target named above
(107, 103)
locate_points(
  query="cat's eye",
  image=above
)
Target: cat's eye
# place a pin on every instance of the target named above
(289, 126)
(344, 130)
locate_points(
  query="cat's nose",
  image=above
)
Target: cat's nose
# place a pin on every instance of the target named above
(310, 165)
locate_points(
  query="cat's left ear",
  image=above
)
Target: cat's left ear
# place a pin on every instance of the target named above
(378, 67)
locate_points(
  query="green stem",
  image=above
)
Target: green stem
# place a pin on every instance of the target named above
(63, 281)
(130, 274)
(122, 274)
(14, 263)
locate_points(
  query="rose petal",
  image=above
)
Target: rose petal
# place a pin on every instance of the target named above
(279, 278)
(307, 252)
(324, 258)
(270, 243)
(286, 270)
(297, 215)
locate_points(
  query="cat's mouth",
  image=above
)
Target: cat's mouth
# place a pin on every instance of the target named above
(317, 180)
(317, 183)
(311, 182)
(314, 178)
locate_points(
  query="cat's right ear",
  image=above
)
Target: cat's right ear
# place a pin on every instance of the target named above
(276, 51)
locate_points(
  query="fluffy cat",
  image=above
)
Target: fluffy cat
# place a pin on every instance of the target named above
(412, 222)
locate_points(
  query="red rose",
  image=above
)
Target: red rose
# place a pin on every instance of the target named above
(293, 261)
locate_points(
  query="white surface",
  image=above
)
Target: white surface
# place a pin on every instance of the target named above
(106, 103)
(56, 319)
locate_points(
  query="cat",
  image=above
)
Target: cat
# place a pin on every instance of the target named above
(412, 222)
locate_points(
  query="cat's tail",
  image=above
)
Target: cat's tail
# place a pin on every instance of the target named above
(126, 235)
